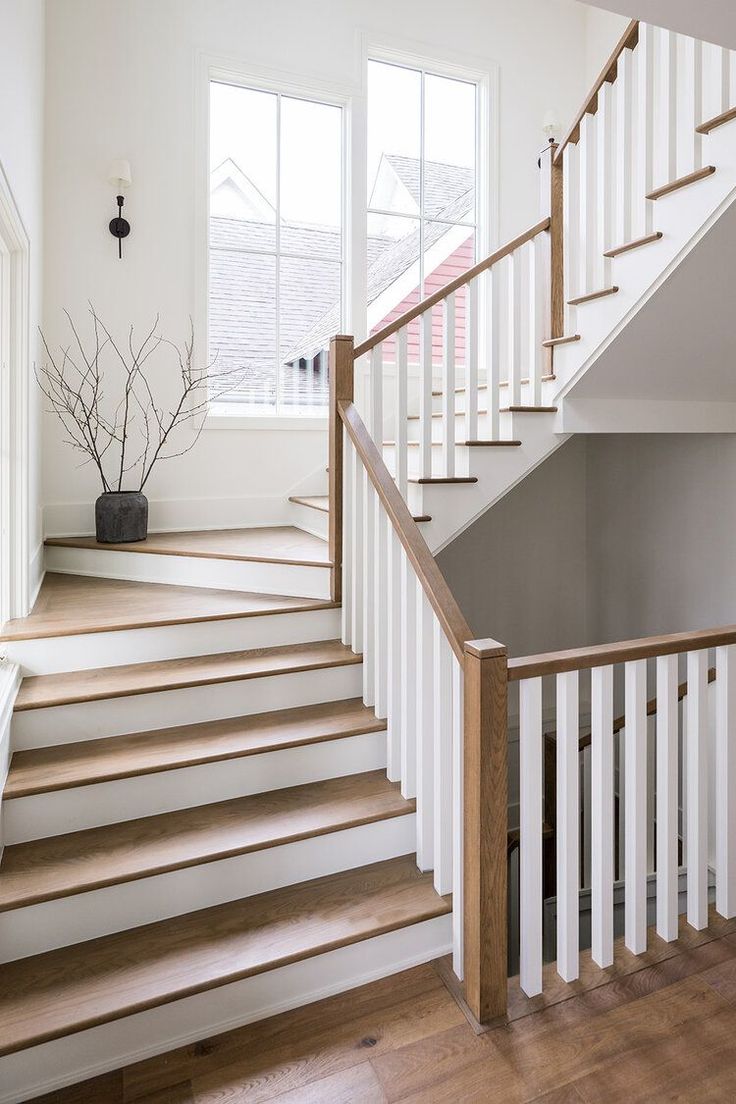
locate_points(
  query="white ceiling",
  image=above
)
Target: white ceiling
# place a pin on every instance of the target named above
(711, 20)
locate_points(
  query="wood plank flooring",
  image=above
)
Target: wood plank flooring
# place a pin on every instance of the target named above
(96, 684)
(68, 605)
(662, 1034)
(270, 544)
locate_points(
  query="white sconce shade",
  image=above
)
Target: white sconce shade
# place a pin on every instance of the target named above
(550, 125)
(119, 174)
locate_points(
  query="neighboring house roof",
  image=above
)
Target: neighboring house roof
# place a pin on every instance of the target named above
(242, 284)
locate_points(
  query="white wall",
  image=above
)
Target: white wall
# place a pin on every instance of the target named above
(120, 83)
(603, 29)
(21, 157)
(713, 21)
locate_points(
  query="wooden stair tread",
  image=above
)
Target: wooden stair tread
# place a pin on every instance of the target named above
(590, 296)
(60, 866)
(270, 544)
(314, 502)
(528, 410)
(69, 605)
(444, 479)
(42, 691)
(63, 766)
(60, 992)
(682, 182)
(553, 342)
(635, 244)
(716, 121)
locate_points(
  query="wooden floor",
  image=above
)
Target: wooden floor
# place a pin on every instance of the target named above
(68, 605)
(270, 544)
(662, 1033)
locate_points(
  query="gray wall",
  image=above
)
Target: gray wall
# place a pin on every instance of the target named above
(614, 536)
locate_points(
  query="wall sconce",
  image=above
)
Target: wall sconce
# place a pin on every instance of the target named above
(550, 125)
(119, 175)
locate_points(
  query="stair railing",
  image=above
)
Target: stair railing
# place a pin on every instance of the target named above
(555, 680)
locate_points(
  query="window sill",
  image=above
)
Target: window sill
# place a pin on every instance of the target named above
(228, 416)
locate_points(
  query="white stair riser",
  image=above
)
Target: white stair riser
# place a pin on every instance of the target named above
(506, 424)
(503, 392)
(69, 920)
(99, 1049)
(108, 649)
(51, 814)
(310, 520)
(263, 578)
(462, 460)
(141, 712)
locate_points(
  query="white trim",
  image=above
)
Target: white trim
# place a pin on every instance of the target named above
(15, 371)
(10, 676)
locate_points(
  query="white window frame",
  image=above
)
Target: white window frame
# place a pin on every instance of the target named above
(229, 415)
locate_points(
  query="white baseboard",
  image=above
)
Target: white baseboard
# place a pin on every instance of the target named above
(36, 573)
(73, 519)
(87, 1054)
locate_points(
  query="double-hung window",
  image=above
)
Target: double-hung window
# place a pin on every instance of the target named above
(276, 247)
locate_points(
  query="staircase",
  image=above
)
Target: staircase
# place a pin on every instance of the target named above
(255, 767)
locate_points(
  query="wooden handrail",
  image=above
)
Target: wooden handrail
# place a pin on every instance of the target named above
(433, 582)
(648, 647)
(458, 282)
(607, 74)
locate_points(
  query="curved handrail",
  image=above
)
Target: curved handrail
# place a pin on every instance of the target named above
(458, 282)
(628, 40)
(433, 582)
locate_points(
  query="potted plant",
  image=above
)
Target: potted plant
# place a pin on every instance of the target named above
(125, 431)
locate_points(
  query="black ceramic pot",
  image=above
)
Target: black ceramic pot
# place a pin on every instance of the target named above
(121, 517)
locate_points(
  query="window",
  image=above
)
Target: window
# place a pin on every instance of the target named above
(422, 188)
(275, 247)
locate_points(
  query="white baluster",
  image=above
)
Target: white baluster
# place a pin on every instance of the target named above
(723, 102)
(725, 772)
(589, 253)
(424, 737)
(393, 658)
(357, 483)
(530, 772)
(376, 395)
(624, 147)
(380, 614)
(568, 826)
(471, 361)
(369, 579)
(667, 103)
(697, 790)
(691, 143)
(586, 802)
(570, 219)
(348, 501)
(425, 395)
(605, 123)
(408, 679)
(400, 435)
(538, 268)
(514, 332)
(621, 744)
(443, 779)
(635, 921)
(448, 386)
(667, 828)
(644, 128)
(601, 815)
(458, 822)
(493, 373)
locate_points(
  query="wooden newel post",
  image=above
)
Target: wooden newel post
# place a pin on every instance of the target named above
(341, 390)
(550, 206)
(485, 828)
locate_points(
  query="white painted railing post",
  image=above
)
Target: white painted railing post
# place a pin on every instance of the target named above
(697, 790)
(667, 828)
(471, 361)
(725, 772)
(448, 386)
(424, 713)
(530, 849)
(400, 430)
(568, 826)
(624, 147)
(425, 395)
(602, 819)
(635, 919)
(644, 128)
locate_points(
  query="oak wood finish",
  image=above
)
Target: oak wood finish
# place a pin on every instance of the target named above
(453, 285)
(68, 687)
(314, 502)
(341, 390)
(60, 866)
(607, 75)
(716, 121)
(582, 659)
(631, 1034)
(60, 992)
(70, 605)
(553, 342)
(682, 182)
(485, 798)
(591, 295)
(492, 444)
(65, 766)
(270, 544)
(528, 410)
(453, 623)
(445, 479)
(636, 244)
(551, 185)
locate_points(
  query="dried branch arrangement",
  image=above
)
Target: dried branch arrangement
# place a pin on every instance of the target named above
(125, 436)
